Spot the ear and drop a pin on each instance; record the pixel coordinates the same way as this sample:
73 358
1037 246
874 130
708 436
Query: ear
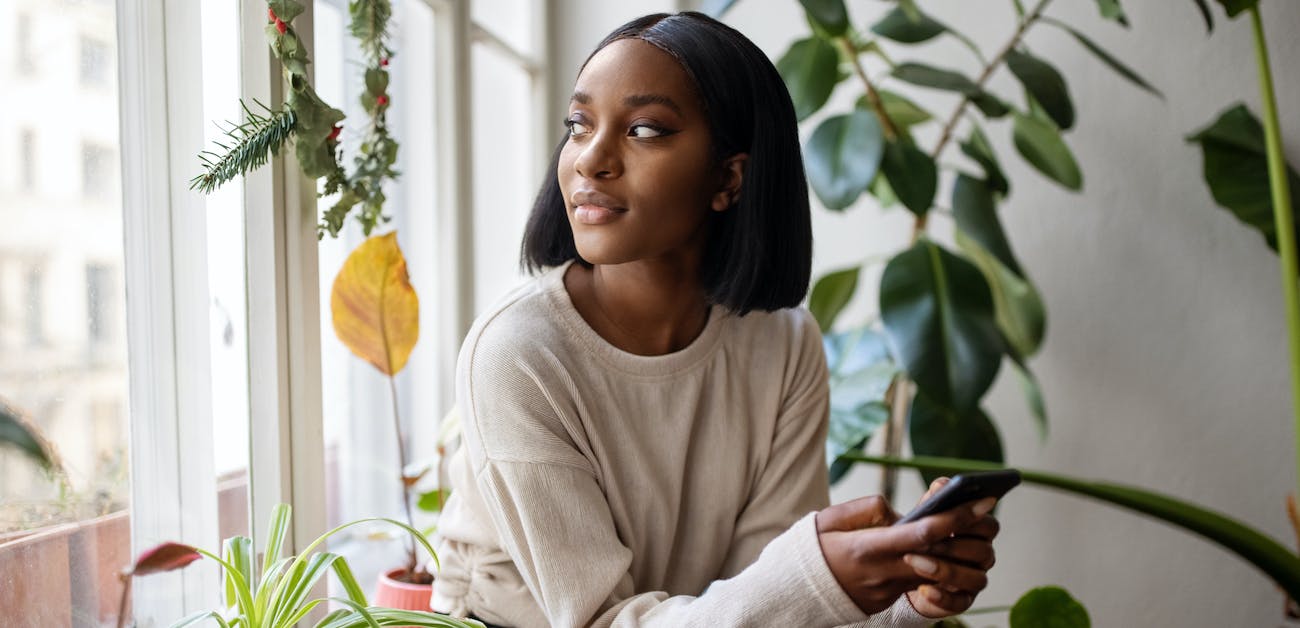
733 174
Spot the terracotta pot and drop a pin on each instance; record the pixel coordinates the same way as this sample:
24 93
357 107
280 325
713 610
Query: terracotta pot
394 593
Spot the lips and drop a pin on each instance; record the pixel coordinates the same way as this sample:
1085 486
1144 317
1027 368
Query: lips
591 207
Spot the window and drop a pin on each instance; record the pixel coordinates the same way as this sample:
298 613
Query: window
24 57
99 302
94 62
34 304
27 161
96 169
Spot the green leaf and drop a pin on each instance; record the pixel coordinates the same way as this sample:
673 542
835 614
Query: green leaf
376 82
989 105
899 26
882 192
937 78
830 15
901 111
939 431
861 371
1018 310
976 215
850 430
912 175
1048 607
1041 145
1236 169
831 293
286 10
1257 548
18 432
810 69
842 157
977 147
938 315
1107 58
1111 10
275 535
435 500
1236 7
716 8
1033 395
1206 15
1045 84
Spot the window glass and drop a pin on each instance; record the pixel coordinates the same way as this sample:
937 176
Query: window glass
63 361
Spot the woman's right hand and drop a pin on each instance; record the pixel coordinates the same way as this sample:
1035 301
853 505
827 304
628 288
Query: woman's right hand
865 552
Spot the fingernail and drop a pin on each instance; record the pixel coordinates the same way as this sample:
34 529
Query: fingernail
932 593
921 563
984 506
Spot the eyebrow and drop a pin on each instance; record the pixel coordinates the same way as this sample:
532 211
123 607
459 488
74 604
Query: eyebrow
635 100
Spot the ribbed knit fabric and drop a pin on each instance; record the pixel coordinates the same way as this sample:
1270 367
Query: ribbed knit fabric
600 488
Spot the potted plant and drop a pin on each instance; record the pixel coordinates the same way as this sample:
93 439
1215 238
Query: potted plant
278 595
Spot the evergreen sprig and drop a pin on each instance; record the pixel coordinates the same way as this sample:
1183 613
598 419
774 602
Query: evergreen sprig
252 143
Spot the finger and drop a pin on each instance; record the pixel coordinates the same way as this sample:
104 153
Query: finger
986 527
919 534
947 574
969 551
936 602
863 512
937 484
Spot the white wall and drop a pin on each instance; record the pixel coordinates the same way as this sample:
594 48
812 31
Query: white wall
1165 361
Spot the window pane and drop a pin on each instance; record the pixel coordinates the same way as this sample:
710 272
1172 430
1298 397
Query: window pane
511 20
361 457
63 536
227 283
505 174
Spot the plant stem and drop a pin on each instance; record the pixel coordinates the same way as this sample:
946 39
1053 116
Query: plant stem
126 593
401 472
1286 244
891 131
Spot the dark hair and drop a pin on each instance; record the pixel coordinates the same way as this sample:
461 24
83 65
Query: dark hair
759 252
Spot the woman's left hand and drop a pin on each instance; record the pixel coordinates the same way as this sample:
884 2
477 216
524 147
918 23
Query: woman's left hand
957 567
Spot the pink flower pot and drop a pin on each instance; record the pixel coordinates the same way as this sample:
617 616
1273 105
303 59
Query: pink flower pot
393 593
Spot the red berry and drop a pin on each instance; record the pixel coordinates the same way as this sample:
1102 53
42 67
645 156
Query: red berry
334 134
381 100
280 26
270 15
383 62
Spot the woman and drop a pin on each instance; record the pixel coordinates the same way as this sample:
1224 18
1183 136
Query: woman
645 422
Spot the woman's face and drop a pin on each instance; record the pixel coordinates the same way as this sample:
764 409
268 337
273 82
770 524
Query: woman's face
636 172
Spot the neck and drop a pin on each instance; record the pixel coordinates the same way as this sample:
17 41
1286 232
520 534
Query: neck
647 307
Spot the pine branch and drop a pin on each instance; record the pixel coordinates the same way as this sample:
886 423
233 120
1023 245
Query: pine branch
254 142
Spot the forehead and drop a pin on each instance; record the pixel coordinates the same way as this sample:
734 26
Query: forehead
634 67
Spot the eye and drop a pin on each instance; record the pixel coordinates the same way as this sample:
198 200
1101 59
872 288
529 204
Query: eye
647 131
575 127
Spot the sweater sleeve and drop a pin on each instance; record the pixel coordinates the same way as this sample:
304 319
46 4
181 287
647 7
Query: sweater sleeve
795 480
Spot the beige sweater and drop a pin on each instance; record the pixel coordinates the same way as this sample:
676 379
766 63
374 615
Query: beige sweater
596 487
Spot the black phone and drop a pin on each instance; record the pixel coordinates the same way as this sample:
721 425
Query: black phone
964 488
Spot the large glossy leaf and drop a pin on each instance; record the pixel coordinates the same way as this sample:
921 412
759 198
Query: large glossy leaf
901 27
1041 145
18 432
861 370
1111 10
1236 169
810 69
936 430
976 215
902 111
939 318
842 157
1271 557
1048 607
1018 309
830 294
1107 58
1236 7
977 147
948 80
1045 84
376 311
830 15
912 175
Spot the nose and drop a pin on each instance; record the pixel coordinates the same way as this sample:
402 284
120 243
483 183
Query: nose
599 158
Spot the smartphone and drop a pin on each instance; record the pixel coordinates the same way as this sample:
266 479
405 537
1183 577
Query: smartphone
965 488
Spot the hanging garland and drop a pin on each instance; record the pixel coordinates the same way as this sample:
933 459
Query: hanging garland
315 126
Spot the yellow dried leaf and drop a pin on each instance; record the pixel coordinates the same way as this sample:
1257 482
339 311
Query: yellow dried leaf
376 312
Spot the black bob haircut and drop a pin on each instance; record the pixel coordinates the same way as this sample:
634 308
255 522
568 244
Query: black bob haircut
758 253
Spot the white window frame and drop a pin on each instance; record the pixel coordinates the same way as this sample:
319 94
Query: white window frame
160 91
